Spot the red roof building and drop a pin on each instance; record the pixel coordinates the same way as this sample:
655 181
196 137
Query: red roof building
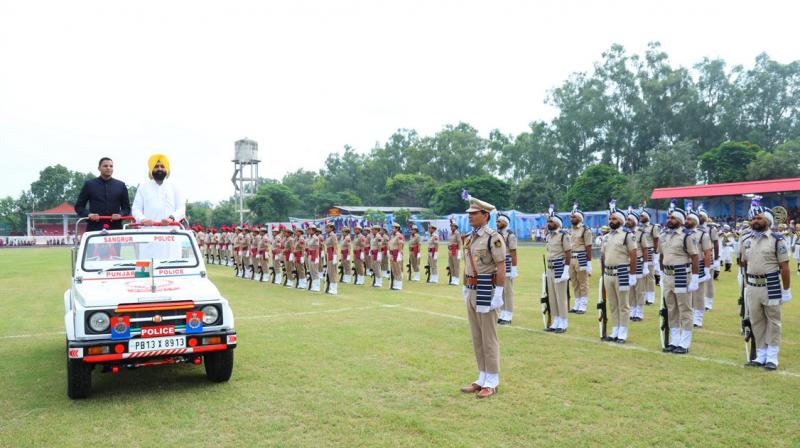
731 189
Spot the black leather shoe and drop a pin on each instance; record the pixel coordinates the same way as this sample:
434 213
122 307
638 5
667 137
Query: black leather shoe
669 348
771 366
620 341
572 311
549 329
608 339
680 351
560 330
503 322
580 312
754 363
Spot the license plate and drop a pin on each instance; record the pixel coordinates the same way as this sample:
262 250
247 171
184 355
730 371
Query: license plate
150 344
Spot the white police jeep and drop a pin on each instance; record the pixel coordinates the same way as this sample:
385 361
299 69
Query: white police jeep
141 297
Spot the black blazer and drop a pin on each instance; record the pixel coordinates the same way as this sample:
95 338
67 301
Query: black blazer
105 197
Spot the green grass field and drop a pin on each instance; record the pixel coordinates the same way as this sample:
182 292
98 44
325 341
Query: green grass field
383 368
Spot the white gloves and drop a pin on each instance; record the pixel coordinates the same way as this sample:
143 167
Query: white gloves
497 298
589 268
465 292
739 278
694 284
458 255
716 265
708 273
258 256
302 260
632 280
786 295
645 269
335 259
436 255
513 272
361 256
291 257
564 276
379 258
399 257
419 255
656 265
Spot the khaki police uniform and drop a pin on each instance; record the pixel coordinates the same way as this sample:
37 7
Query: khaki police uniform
454 255
676 248
764 253
414 254
360 251
331 246
649 237
703 242
618 245
314 255
507 310
396 244
558 243
433 255
581 237
345 244
376 256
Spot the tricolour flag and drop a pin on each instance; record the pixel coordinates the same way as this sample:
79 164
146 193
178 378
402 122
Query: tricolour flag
142 269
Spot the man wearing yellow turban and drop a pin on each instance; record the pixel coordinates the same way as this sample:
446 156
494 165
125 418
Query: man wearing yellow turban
158 200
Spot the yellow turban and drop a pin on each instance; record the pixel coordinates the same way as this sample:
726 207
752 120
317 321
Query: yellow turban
154 159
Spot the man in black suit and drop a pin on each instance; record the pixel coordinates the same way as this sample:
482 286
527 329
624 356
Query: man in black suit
106 196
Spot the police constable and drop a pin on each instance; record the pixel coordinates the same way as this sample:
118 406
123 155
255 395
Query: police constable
396 244
454 253
765 257
433 253
314 254
679 261
360 249
484 279
704 248
331 246
558 249
507 310
580 266
376 256
712 264
300 257
649 235
619 271
414 253
345 243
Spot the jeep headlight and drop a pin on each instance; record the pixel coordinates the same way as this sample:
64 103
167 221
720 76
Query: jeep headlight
99 322
210 314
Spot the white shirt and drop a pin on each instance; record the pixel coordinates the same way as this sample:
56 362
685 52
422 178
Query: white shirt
156 202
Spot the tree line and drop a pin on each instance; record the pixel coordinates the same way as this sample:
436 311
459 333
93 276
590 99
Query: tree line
629 124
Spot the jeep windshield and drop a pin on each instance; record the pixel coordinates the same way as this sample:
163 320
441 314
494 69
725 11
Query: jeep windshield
122 251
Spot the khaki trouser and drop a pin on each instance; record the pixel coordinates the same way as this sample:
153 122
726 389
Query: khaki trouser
679 305
237 259
333 272
263 263
636 294
617 300
397 268
709 286
414 261
301 269
698 302
765 316
359 265
313 269
290 267
508 295
346 268
432 263
453 264
580 279
276 263
649 280
558 295
384 266
483 327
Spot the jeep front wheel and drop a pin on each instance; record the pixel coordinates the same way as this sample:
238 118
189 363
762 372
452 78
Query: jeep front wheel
219 365
79 378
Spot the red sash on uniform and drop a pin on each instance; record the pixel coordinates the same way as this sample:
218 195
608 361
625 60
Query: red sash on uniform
298 254
253 252
374 253
394 253
384 250
345 253
415 250
286 254
453 249
330 254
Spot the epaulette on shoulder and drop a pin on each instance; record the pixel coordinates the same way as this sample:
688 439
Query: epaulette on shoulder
777 236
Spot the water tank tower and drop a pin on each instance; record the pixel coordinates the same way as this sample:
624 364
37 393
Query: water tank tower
245 174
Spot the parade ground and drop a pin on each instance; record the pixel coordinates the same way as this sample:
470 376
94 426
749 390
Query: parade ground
375 367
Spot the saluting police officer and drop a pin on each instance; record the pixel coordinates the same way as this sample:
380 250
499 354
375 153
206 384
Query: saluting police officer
484 279
765 257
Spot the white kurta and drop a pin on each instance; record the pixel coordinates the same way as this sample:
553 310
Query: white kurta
156 202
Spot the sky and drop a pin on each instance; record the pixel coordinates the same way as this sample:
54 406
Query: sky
80 80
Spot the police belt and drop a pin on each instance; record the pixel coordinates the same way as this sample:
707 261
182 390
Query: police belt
551 263
670 269
471 281
611 271
759 280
